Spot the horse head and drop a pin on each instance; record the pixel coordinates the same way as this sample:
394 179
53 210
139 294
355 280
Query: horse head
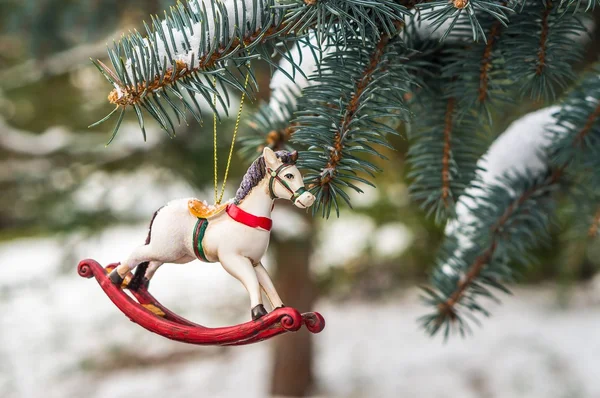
285 180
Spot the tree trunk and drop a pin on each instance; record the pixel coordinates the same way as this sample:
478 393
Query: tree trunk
293 355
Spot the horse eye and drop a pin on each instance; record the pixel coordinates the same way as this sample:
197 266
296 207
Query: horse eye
289 176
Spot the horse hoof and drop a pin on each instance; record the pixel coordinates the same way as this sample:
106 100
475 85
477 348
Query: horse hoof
115 278
258 312
137 284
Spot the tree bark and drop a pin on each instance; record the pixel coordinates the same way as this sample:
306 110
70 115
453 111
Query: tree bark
292 374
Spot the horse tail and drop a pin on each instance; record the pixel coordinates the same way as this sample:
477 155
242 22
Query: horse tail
140 271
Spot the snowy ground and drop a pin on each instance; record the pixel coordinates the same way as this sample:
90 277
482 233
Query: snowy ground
61 337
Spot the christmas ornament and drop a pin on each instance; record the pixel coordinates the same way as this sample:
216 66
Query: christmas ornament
235 234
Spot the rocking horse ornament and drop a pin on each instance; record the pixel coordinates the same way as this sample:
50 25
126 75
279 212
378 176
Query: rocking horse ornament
235 234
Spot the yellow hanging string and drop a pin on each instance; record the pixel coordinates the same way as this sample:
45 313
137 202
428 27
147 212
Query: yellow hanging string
219 197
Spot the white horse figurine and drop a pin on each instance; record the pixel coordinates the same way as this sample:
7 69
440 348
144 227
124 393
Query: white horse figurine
236 234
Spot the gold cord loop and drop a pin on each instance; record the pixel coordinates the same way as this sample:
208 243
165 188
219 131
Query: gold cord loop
219 197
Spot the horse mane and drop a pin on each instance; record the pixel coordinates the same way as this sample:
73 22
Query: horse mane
256 172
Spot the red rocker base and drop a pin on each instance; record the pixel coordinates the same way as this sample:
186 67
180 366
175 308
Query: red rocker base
174 327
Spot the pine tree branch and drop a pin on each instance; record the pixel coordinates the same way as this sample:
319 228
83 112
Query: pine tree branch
200 40
455 13
342 114
447 308
554 36
511 216
441 162
476 71
478 75
508 226
356 101
444 143
499 233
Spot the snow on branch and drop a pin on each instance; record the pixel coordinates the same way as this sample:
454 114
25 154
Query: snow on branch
195 47
506 211
520 150
201 37
502 215
292 77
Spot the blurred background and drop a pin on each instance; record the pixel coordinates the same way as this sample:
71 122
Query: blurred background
64 196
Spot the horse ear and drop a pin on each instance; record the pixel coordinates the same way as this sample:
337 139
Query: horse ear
270 157
294 156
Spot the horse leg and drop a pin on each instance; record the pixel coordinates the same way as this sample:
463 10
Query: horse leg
139 255
152 267
143 274
241 268
267 284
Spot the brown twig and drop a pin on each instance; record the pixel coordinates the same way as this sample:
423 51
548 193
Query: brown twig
447 307
543 39
486 62
587 127
130 95
362 82
448 124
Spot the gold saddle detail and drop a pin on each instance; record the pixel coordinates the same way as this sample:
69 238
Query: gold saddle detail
200 209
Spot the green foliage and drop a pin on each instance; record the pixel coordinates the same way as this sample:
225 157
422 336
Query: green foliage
475 72
509 223
533 55
342 113
576 134
492 54
575 146
513 216
147 71
456 12
269 127
577 5
442 166
541 45
174 61
368 19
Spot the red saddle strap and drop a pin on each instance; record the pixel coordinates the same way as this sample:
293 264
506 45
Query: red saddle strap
248 219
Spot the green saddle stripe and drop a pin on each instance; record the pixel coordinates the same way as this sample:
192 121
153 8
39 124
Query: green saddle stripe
198 236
